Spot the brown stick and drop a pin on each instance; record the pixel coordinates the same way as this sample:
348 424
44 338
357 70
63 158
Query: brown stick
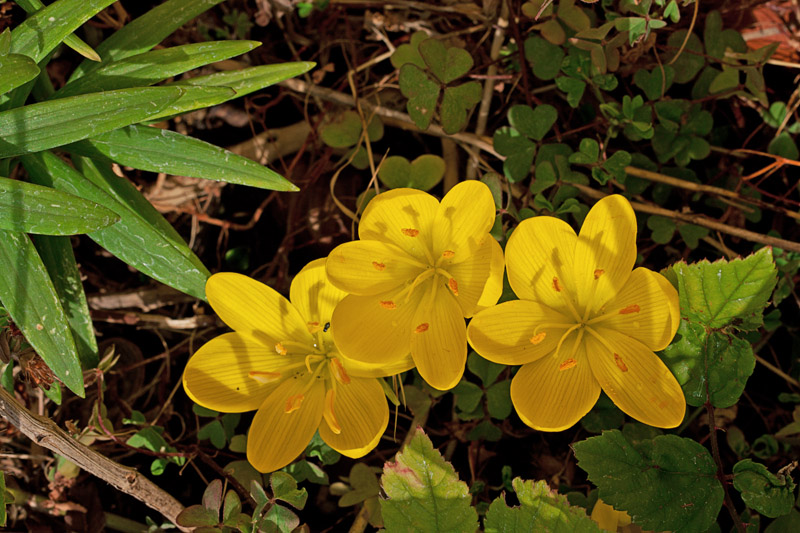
46 433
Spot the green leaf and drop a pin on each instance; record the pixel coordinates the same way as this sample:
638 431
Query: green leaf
166 151
725 80
59 259
424 173
45 30
712 35
784 146
249 80
147 438
652 82
456 104
770 495
688 64
587 154
540 509
3 500
409 52
422 94
727 293
152 67
17 69
534 123
663 228
447 64
197 516
214 432
284 488
28 294
545 58
32 6
498 399
363 484
145 32
142 238
615 165
231 508
519 152
212 496
44 125
486 370
424 493
467 396
604 415
713 366
35 209
279 519
344 130
573 87
691 234
668 483
790 522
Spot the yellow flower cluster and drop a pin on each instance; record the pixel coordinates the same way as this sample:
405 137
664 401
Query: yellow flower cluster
398 297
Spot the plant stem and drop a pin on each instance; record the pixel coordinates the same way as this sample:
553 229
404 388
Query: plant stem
712 426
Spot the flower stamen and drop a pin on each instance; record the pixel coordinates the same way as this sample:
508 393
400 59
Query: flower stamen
569 363
410 232
422 328
338 371
264 377
453 284
448 254
538 338
556 285
293 403
598 272
280 349
313 327
379 266
388 304
630 309
328 414
620 363
566 334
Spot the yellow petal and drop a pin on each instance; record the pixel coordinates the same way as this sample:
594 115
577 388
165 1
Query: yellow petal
635 379
248 306
605 252
463 220
276 437
371 267
363 415
507 333
472 275
672 300
493 288
539 257
313 295
370 370
553 393
217 376
367 329
643 310
403 217
439 339
606 517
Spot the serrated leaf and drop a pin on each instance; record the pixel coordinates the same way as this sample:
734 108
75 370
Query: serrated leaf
44 125
424 173
35 209
540 509
284 488
142 237
145 32
152 67
770 495
59 259
17 69
726 293
712 366
422 94
28 294
45 30
668 483
158 150
424 492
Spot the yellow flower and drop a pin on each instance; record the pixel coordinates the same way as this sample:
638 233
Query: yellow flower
419 269
281 360
609 519
584 322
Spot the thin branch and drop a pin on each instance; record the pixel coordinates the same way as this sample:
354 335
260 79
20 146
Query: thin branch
47 434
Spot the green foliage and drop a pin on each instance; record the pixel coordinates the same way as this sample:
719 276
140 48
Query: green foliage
424 493
664 483
517 142
540 509
423 173
150 438
761 490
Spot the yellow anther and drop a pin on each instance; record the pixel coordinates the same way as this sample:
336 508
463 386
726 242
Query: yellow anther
328 414
453 284
620 363
539 337
338 371
388 304
410 232
599 272
280 349
569 363
378 266
630 309
264 377
293 403
447 254
556 285
421 328
313 327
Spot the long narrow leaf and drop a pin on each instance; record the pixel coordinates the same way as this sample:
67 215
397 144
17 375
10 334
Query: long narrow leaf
27 293
43 31
142 238
193 98
159 150
251 79
17 69
59 259
36 209
73 41
45 125
154 66
143 33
